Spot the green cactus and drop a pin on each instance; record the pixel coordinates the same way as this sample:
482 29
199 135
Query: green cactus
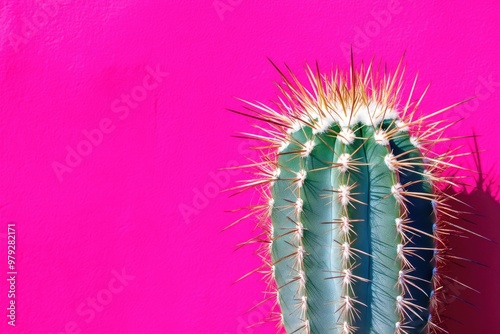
354 214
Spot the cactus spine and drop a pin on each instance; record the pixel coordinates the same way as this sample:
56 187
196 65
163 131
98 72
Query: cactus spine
354 218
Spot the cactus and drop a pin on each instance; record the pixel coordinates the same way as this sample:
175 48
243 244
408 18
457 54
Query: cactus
354 219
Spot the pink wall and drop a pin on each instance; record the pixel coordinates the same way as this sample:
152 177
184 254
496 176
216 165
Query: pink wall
149 82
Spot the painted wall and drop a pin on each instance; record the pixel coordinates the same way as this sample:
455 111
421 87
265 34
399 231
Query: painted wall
114 126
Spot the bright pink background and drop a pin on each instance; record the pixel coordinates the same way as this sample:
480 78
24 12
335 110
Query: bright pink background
120 207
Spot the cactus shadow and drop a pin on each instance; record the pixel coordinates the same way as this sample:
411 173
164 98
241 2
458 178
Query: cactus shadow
468 311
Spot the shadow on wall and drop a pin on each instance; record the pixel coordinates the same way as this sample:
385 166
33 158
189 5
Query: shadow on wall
468 311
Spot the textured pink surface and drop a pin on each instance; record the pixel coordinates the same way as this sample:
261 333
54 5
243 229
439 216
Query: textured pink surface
102 245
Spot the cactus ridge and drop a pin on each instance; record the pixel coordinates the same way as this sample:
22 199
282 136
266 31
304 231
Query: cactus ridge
354 217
